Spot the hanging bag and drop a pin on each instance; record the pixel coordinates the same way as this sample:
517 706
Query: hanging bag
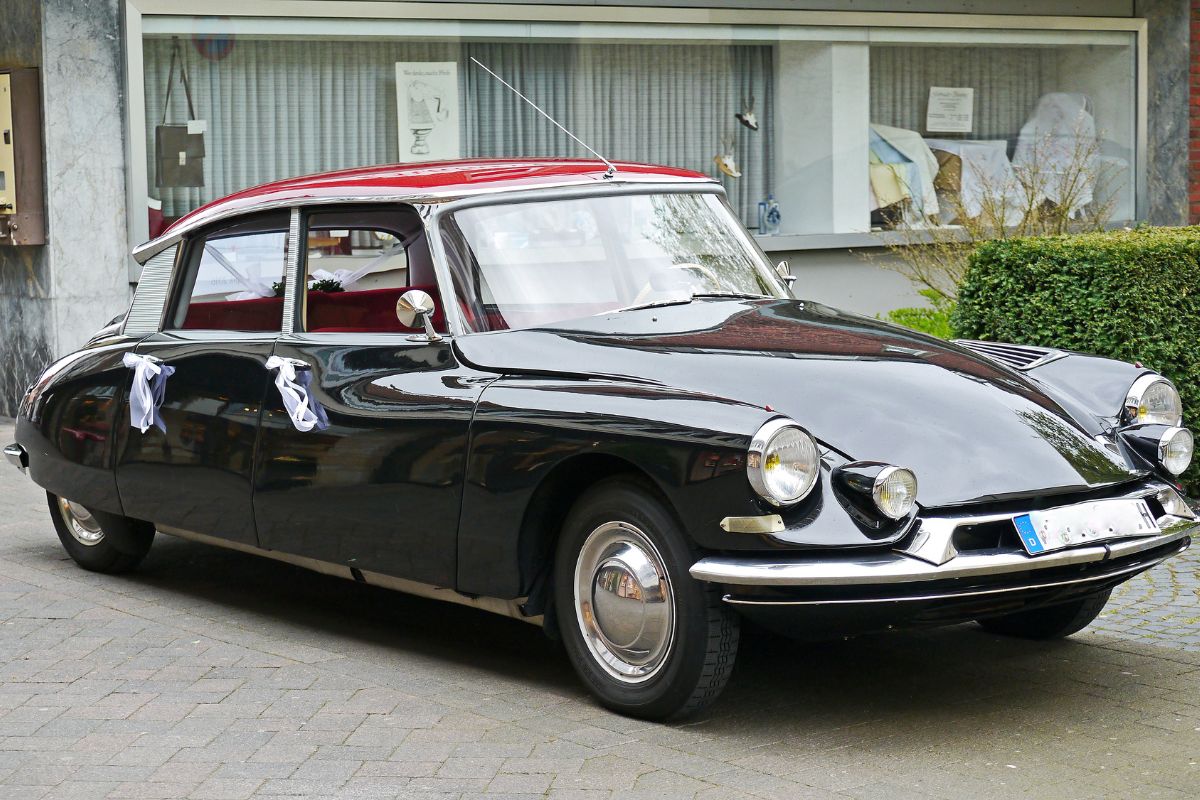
179 149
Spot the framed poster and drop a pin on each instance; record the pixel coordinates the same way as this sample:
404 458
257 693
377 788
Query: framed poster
427 110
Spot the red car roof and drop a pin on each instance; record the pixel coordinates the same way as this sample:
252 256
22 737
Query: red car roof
436 179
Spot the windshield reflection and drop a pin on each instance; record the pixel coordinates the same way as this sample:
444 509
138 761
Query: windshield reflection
530 264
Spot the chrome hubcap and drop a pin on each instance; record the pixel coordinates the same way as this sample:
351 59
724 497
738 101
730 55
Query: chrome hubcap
624 602
80 522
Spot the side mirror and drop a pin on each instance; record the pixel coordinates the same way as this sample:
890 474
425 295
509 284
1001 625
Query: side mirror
416 304
785 273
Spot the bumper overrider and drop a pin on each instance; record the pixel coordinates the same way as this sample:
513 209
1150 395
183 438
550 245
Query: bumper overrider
955 567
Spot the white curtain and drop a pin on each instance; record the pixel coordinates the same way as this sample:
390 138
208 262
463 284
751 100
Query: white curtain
279 108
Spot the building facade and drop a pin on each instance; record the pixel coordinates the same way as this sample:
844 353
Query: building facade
835 126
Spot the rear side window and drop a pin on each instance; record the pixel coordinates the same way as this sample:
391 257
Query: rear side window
235 277
357 265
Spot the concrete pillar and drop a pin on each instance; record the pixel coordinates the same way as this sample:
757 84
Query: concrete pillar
54 296
822 119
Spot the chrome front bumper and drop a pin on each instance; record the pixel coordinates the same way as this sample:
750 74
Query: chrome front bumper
931 568
17 456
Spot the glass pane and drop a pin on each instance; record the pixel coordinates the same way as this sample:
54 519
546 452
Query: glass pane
358 266
526 264
238 283
963 133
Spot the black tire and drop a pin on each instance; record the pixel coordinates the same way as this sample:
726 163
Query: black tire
703 639
120 543
1052 622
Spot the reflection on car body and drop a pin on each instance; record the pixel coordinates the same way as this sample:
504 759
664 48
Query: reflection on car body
592 404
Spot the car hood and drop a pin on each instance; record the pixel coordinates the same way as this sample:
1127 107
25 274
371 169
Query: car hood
970 429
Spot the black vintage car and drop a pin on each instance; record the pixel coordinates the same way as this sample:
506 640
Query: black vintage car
588 401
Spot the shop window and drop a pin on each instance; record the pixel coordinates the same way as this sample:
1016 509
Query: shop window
236 279
959 134
811 130
358 265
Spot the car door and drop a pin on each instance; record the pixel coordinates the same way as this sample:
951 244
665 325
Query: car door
218 331
379 488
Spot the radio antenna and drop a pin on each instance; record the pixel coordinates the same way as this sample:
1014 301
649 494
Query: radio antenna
608 173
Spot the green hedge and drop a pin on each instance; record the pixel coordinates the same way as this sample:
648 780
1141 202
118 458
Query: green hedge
1132 295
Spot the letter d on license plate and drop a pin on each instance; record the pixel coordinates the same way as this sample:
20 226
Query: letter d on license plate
1084 523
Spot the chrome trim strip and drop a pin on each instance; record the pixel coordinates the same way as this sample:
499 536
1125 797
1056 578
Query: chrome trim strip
767 523
1139 567
292 280
506 608
150 298
147 250
890 568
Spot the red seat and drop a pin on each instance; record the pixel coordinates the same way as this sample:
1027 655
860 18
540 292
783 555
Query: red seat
257 314
368 311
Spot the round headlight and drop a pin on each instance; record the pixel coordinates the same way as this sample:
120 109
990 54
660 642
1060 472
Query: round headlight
1152 400
895 492
1175 450
783 462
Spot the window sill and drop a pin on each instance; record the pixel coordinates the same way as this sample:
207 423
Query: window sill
791 242
794 242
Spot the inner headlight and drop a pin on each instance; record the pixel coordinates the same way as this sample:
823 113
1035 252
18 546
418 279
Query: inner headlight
895 492
1175 450
1152 400
783 462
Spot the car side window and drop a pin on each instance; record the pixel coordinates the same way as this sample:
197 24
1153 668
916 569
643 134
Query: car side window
357 265
235 277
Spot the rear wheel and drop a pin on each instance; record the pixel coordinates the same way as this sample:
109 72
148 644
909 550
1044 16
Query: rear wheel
99 541
646 638
1052 622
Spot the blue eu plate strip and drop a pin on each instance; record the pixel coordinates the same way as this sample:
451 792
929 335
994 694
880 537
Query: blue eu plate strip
1033 544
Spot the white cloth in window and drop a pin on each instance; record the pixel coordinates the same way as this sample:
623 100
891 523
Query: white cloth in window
986 179
1056 150
147 390
910 145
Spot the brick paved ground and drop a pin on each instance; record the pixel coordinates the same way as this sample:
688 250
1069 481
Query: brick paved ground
211 674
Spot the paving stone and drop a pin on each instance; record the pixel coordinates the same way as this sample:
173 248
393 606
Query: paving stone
210 674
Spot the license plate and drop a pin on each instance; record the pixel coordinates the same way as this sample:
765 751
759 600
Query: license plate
1084 523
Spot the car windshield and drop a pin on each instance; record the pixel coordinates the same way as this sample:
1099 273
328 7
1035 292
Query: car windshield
526 264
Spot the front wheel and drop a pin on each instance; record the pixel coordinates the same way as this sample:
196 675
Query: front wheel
647 639
1052 622
99 541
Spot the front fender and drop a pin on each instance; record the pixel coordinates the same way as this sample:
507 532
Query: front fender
1092 388
691 446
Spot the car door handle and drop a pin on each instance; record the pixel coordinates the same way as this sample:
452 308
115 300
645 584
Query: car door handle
293 378
147 391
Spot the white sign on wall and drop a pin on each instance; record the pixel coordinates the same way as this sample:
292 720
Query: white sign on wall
951 110
427 110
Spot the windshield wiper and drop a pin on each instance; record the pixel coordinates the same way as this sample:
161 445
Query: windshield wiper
683 301
677 301
742 295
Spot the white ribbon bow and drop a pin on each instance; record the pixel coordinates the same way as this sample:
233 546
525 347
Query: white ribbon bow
147 391
292 378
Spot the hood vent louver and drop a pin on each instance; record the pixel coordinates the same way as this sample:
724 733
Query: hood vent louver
1017 356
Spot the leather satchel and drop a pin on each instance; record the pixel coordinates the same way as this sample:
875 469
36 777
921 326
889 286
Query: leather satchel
179 149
